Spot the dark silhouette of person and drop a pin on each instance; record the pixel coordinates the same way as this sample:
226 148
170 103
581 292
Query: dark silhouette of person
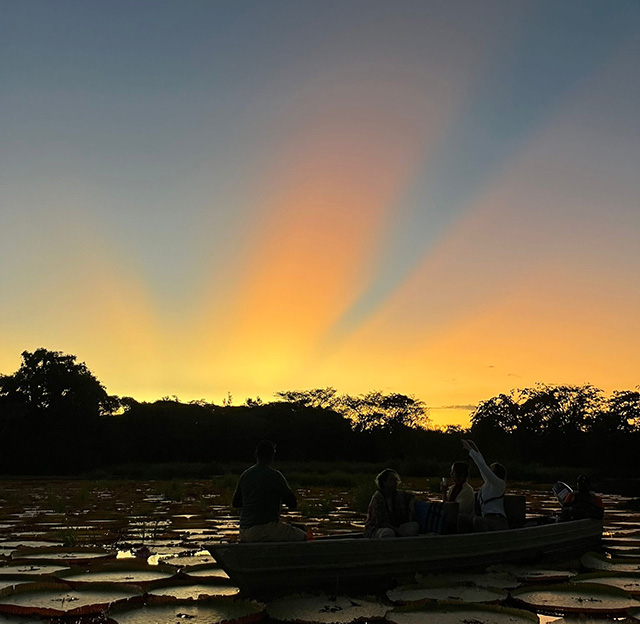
491 516
460 491
390 512
582 503
260 492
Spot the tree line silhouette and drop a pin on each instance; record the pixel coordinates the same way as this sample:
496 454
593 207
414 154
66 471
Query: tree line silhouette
57 418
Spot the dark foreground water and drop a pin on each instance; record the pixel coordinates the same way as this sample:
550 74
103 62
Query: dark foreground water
133 553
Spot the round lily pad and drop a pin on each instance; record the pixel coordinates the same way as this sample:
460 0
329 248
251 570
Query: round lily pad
460 614
595 561
205 572
322 609
130 572
56 599
630 583
499 580
11 582
415 594
193 591
210 612
577 619
584 598
31 569
534 574
198 558
55 554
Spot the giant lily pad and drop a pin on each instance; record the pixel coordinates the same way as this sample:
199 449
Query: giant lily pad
55 599
410 594
192 591
28 570
577 619
197 558
498 580
322 609
627 582
210 612
533 573
55 554
205 572
460 614
134 572
585 598
595 561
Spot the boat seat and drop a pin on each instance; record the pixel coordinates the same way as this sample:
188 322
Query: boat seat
515 508
436 517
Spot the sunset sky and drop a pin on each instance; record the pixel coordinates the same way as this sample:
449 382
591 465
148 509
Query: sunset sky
438 198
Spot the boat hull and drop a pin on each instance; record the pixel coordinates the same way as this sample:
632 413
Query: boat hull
337 563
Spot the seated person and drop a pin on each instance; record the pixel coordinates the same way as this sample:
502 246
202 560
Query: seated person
390 512
491 515
260 492
582 503
460 491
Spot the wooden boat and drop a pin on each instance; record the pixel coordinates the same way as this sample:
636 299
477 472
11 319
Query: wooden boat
338 563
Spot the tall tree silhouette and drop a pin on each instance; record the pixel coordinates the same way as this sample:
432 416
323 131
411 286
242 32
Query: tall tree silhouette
50 382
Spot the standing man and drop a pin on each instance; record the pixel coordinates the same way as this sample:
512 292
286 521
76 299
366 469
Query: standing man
259 493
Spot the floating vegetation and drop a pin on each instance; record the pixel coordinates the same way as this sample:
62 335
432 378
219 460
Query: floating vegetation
120 573
210 612
138 523
595 561
499 580
630 583
193 591
193 558
76 556
585 598
460 614
205 572
579 619
411 594
28 570
56 599
323 609
533 573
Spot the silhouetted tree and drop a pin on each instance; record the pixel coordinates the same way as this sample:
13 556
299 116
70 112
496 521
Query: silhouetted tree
52 406
376 410
501 413
541 411
623 411
325 398
50 382
552 410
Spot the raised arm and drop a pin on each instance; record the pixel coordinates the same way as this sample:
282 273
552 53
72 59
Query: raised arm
488 475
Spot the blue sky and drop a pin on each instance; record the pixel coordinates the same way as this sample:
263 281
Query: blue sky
164 164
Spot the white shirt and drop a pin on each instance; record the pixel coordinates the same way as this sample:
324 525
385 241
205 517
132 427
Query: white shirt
466 499
492 488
